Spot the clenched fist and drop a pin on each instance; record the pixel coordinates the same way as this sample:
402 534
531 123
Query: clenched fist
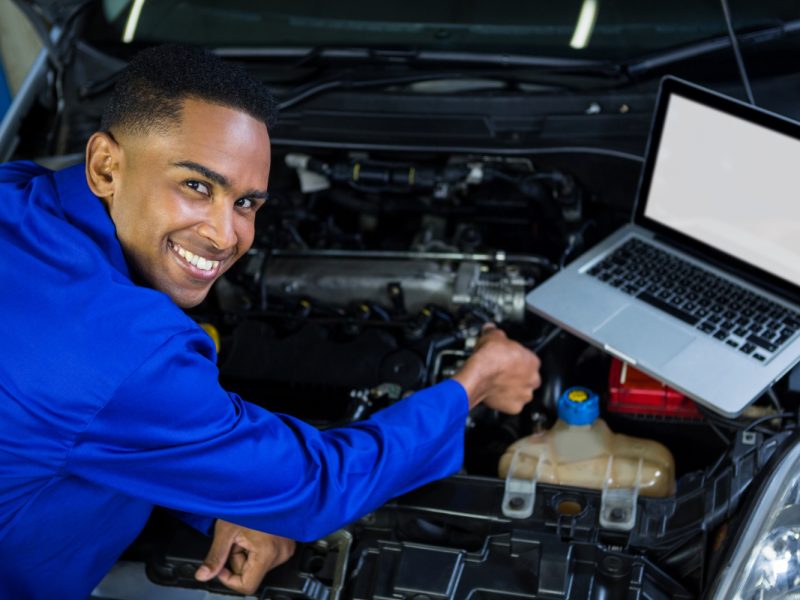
501 373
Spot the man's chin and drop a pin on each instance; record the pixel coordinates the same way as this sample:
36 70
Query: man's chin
185 300
184 297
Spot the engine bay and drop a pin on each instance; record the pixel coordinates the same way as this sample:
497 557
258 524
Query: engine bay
371 277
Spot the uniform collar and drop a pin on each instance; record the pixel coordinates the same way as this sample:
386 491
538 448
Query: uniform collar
87 212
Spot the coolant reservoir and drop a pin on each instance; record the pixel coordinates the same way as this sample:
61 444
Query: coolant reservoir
580 450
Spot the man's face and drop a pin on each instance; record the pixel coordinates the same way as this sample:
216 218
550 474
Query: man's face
184 202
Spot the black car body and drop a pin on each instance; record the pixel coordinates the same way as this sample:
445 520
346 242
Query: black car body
432 163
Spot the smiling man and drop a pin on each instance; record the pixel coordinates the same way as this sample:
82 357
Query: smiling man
109 395
184 202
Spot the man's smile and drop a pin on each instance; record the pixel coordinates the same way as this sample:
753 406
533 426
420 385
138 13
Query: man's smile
199 266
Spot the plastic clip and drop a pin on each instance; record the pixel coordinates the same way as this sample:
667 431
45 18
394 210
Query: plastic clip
618 505
520 492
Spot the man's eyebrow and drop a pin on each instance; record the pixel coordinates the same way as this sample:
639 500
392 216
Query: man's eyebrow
259 194
218 178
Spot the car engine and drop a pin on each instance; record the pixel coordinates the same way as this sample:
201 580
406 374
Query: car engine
371 277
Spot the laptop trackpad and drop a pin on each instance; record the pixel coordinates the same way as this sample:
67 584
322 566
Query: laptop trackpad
642 336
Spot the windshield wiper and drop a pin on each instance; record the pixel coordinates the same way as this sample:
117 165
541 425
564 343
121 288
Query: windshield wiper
317 87
659 60
411 57
540 65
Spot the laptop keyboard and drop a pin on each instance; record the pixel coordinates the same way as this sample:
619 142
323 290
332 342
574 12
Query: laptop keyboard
735 316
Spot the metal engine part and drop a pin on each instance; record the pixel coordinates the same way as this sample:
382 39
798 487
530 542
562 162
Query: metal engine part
497 289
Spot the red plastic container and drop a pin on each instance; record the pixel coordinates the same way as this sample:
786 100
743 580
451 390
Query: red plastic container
632 392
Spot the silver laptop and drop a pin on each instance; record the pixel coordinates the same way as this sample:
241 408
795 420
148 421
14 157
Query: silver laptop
701 289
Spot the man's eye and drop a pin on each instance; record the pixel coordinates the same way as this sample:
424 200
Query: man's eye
199 186
245 203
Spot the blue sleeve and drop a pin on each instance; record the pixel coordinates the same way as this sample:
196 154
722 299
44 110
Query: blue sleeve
172 436
204 525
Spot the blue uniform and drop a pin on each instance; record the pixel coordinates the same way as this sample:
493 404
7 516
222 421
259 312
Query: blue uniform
110 404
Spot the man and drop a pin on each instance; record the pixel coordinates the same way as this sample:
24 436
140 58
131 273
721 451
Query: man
109 399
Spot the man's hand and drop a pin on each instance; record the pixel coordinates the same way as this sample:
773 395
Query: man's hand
240 557
501 373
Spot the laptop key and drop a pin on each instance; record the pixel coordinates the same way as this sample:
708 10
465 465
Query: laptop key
668 308
721 334
706 327
760 341
747 348
630 289
759 357
732 343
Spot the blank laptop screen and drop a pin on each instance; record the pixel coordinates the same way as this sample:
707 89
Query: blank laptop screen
731 184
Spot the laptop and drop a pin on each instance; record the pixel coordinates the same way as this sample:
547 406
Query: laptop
701 289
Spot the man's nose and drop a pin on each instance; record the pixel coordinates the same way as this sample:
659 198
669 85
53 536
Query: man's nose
217 227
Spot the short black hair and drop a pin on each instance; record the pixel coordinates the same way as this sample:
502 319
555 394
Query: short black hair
150 91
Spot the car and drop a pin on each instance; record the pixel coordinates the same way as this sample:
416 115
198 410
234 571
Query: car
433 162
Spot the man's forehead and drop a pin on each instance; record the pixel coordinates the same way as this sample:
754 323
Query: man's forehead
228 142
194 111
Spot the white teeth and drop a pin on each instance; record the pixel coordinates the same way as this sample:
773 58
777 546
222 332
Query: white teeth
201 263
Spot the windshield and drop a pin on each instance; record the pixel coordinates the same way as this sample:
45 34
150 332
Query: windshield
595 29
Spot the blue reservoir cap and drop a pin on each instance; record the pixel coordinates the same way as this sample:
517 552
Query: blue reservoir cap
578 406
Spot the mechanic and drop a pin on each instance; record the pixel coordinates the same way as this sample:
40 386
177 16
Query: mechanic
109 394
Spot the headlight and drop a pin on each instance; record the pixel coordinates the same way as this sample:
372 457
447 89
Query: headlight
766 562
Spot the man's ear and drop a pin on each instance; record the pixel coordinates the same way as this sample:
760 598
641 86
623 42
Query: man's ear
102 163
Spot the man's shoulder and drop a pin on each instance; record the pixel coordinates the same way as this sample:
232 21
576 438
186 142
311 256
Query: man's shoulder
21 172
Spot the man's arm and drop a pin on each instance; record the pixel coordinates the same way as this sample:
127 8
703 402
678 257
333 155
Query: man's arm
500 373
171 436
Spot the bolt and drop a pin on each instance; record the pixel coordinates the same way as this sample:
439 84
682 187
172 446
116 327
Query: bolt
618 514
516 502
612 565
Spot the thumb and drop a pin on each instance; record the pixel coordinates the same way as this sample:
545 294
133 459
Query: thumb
488 326
217 556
